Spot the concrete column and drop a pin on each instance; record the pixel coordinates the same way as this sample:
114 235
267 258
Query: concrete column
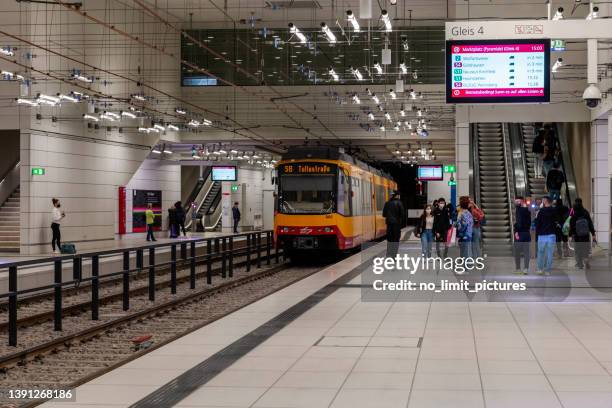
227 222
601 130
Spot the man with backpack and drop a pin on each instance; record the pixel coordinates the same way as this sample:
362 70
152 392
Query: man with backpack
581 230
554 181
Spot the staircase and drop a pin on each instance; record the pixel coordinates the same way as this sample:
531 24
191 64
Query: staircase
9 223
493 191
536 186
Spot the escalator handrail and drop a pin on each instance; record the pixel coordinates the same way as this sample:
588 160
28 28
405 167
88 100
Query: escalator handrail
198 187
568 168
507 167
519 159
475 169
214 203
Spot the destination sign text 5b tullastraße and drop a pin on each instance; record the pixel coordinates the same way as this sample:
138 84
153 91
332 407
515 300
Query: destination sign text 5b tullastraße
307 168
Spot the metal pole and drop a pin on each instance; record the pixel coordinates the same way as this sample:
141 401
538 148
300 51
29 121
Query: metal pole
223 259
276 249
95 287
248 254
57 309
192 266
217 245
184 251
173 269
139 259
76 269
268 247
258 237
208 262
152 274
231 257
126 280
12 306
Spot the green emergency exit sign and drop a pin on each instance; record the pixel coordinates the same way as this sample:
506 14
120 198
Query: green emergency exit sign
38 171
234 188
449 168
452 183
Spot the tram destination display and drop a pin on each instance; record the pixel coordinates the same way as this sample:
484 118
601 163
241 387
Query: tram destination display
498 71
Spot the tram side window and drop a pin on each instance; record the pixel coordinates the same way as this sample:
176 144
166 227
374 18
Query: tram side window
356 196
366 197
344 195
380 197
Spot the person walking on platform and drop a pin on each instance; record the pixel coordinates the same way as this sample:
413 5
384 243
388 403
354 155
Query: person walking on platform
538 153
581 230
180 218
57 215
554 181
479 221
236 216
562 214
150 220
465 228
443 216
546 225
393 211
172 224
424 230
522 236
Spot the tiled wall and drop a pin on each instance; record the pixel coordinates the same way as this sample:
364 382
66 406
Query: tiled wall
155 174
600 173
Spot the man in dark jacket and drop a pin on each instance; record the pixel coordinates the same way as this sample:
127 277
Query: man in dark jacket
236 216
393 211
538 151
522 236
554 181
443 218
546 224
180 218
581 230
562 214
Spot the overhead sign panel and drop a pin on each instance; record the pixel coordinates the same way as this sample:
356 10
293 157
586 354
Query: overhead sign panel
497 71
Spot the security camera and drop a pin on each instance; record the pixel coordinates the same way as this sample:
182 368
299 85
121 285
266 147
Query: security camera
592 96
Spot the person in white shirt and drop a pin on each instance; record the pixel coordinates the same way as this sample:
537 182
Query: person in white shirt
56 216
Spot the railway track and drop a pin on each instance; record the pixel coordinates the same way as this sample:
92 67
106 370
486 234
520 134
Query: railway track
74 358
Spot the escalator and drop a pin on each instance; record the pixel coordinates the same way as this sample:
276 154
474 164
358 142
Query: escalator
204 201
491 185
536 186
209 207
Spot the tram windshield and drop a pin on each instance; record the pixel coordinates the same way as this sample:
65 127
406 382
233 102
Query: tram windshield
306 194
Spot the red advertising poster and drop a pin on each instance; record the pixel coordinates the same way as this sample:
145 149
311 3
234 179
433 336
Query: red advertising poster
122 217
140 201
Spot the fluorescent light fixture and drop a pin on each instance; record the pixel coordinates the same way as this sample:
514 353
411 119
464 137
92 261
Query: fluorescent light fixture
388 116
408 125
333 74
21 101
386 20
180 111
413 94
415 75
378 68
392 94
207 122
146 130
154 130
357 74
159 127
90 117
328 33
419 113
375 99
107 117
353 20
402 112
382 128
128 114
7 51
8 74
295 31
113 115
69 98
371 116
173 127
43 97
155 149
403 68
356 99
593 14
234 151
558 64
396 128
221 151
558 14
256 156
139 97
167 150
193 123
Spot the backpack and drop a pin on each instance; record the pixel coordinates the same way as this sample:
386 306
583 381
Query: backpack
558 178
582 227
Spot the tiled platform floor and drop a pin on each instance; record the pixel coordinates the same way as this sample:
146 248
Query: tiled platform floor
347 353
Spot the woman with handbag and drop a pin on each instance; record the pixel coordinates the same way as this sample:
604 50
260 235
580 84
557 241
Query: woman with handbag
424 230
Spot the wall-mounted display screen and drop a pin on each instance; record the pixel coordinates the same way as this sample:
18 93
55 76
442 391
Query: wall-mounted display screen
498 71
430 173
224 173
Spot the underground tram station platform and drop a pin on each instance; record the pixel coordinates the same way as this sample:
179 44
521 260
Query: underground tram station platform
304 204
